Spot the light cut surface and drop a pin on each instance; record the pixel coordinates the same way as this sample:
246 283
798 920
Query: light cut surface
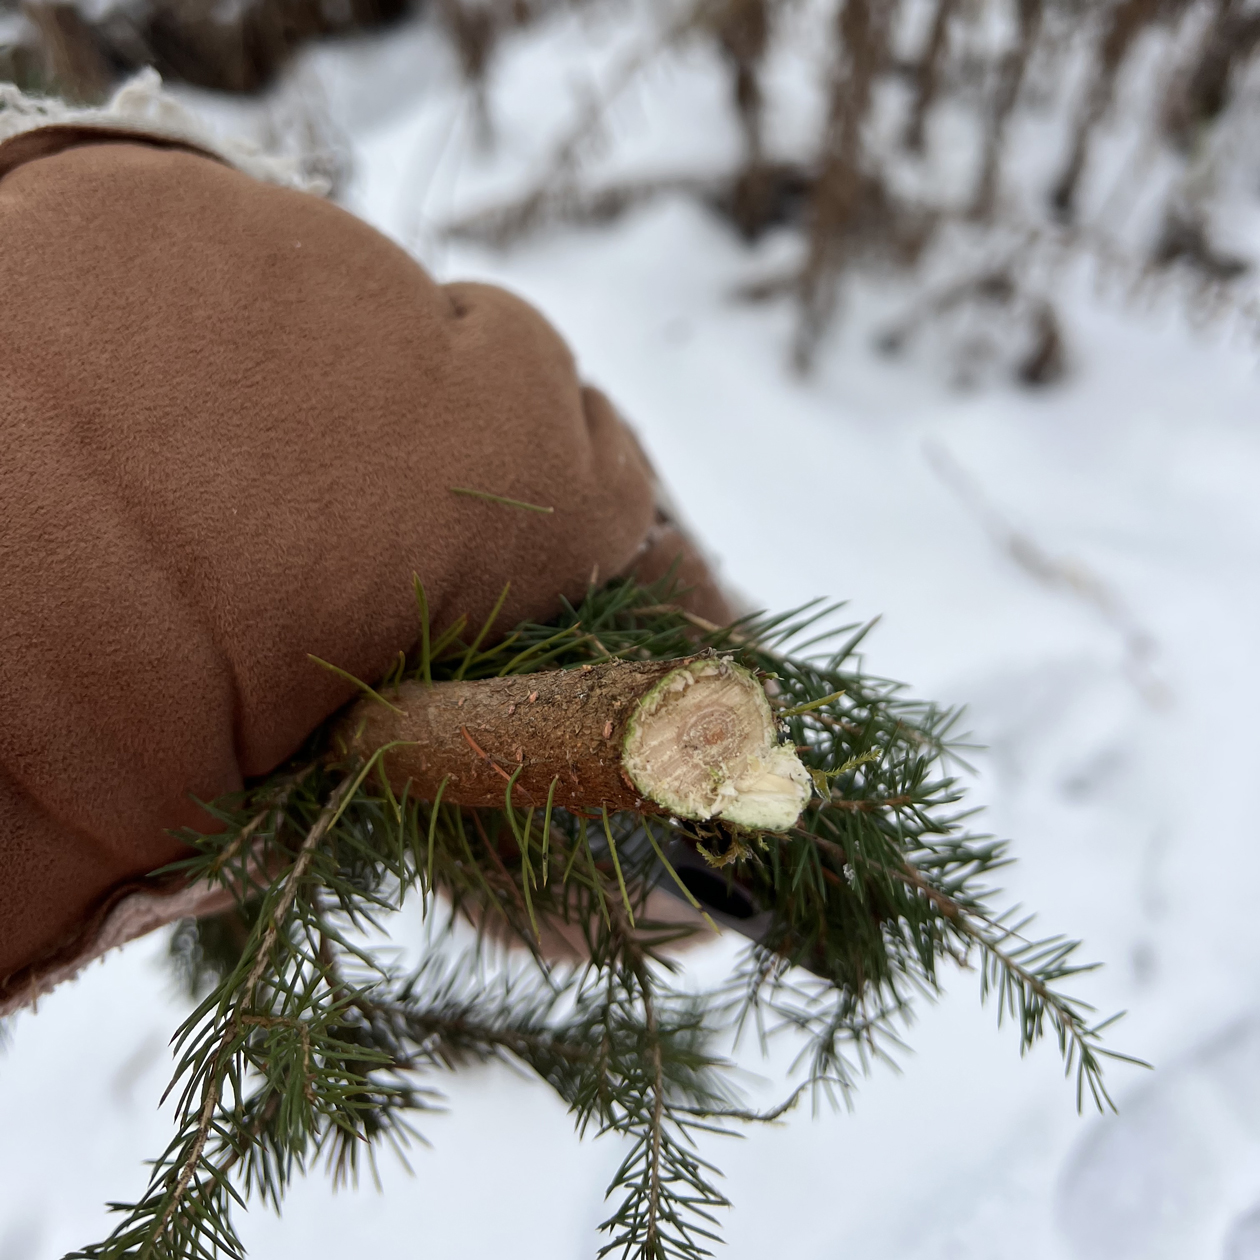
704 744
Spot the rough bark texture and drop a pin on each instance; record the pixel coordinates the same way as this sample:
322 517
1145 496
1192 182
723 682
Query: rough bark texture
567 725
694 738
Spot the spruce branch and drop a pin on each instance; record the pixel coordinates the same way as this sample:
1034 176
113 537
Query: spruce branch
313 1047
1021 972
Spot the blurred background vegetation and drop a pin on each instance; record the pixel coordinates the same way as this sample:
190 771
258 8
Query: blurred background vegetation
971 145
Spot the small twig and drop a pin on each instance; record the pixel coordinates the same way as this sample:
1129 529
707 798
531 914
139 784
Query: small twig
751 1117
658 1111
291 879
274 806
493 851
870 806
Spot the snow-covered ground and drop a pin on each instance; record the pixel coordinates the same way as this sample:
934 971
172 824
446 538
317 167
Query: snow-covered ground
1108 660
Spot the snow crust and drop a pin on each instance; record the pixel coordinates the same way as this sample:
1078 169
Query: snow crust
1121 731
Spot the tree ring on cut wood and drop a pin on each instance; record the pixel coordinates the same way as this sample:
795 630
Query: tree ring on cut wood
703 743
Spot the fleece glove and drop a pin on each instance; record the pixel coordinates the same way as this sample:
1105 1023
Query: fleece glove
234 422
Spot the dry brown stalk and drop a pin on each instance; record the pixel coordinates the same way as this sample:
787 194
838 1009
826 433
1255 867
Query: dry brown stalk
1201 90
569 203
1128 19
1011 73
85 49
927 74
743 32
862 33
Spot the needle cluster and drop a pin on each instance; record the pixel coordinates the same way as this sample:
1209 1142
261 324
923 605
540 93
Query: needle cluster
309 1046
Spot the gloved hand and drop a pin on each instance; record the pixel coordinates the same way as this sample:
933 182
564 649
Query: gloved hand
233 417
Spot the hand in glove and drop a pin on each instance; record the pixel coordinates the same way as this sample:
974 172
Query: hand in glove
234 421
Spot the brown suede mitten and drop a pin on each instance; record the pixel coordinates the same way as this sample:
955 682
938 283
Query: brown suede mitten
232 419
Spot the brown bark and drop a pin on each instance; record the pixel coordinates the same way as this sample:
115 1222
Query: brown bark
564 725
694 738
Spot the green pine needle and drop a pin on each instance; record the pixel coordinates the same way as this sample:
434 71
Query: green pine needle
498 498
306 1045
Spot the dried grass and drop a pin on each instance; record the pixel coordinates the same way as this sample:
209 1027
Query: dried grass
1059 66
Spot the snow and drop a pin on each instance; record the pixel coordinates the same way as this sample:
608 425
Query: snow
1123 774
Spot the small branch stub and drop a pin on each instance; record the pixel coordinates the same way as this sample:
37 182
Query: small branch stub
695 738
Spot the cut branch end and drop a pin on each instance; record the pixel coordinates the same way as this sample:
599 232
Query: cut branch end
703 743
692 738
